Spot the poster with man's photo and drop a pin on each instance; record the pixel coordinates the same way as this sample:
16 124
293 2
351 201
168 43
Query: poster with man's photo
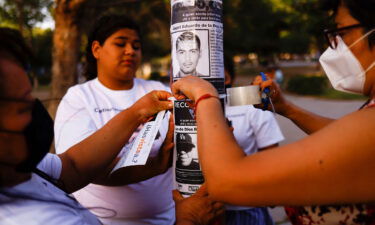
191 53
197 41
197 50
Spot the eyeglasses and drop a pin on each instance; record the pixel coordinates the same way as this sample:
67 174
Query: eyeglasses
331 34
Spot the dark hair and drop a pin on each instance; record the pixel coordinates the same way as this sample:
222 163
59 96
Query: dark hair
13 47
184 142
361 10
104 27
188 36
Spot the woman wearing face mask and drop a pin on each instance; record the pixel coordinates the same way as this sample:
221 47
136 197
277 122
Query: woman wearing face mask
334 165
113 55
31 194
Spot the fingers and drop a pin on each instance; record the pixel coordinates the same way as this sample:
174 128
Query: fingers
176 89
162 95
202 191
219 212
217 205
257 80
177 196
171 125
263 84
169 137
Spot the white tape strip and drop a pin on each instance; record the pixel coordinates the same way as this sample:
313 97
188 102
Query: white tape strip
138 151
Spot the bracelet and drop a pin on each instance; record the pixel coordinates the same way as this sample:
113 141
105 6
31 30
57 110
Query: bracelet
205 96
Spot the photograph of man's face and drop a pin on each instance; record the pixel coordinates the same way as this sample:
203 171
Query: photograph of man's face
184 155
188 53
185 158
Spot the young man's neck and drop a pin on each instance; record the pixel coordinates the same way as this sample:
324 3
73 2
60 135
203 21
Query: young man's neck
117 84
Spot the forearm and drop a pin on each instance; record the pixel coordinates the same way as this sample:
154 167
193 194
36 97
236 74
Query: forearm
305 120
331 166
84 161
216 144
131 175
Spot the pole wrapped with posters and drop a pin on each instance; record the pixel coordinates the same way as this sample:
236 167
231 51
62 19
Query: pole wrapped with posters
197 49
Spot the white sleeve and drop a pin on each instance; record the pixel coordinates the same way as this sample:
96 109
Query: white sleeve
266 128
51 165
73 123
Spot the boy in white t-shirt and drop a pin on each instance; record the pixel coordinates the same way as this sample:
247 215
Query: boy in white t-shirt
114 54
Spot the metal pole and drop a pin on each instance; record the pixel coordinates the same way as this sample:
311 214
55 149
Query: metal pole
197 49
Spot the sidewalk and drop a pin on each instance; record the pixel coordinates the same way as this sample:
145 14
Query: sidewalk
329 108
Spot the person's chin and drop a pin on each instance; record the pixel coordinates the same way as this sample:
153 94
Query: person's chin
187 73
186 163
128 73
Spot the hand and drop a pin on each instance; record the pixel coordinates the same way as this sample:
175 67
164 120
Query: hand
280 103
165 155
197 209
152 103
192 87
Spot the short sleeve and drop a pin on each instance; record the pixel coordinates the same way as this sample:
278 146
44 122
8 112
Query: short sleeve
51 165
266 128
73 123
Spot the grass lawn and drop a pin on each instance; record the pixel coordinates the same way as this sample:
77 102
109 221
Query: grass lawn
333 94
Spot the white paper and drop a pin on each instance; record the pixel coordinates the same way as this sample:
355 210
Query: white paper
138 151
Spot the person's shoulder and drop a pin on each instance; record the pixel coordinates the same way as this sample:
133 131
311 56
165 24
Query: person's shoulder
52 165
79 88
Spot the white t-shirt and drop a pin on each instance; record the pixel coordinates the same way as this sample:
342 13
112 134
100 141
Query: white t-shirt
49 205
253 129
85 109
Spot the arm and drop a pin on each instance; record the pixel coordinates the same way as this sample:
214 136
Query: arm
82 163
334 165
134 174
305 120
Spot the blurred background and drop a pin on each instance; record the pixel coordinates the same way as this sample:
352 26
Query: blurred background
281 37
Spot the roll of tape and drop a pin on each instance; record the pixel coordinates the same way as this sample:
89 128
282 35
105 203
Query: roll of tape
246 95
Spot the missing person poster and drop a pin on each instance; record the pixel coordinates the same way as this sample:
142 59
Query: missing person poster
197 49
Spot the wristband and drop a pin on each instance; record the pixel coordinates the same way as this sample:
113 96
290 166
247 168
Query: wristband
205 96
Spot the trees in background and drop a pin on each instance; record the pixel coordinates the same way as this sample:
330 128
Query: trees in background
264 27
24 14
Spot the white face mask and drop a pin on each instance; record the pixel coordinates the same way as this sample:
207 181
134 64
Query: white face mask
343 69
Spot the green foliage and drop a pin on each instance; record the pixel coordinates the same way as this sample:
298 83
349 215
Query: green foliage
331 93
306 20
24 14
307 85
252 26
273 26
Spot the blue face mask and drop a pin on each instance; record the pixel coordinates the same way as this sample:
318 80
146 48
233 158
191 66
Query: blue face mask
39 135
